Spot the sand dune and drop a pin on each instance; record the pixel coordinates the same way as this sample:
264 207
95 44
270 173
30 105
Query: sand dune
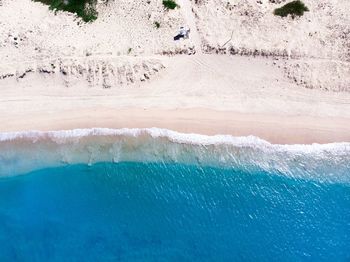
318 42
120 70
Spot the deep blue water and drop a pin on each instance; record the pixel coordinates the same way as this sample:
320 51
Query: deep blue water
173 212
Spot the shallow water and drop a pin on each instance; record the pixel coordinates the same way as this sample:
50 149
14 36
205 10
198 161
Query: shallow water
160 211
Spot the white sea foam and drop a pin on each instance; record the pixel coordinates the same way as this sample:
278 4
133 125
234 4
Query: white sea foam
22 152
177 137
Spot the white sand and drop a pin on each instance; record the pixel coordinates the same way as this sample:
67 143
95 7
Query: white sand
321 37
60 75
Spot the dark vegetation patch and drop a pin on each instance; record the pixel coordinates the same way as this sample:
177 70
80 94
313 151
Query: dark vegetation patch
157 24
295 8
86 9
169 4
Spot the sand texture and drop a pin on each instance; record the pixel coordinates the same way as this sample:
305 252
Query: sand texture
243 71
321 37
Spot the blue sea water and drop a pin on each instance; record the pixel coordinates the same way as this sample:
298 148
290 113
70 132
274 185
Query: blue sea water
156 211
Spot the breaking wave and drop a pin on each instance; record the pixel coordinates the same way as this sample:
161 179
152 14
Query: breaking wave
23 152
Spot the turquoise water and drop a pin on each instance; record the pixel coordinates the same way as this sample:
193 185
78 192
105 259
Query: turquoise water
134 211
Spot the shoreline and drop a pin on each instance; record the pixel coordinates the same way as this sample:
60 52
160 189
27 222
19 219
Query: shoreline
287 83
276 129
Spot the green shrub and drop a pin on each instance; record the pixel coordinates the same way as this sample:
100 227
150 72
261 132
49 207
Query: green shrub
83 8
157 24
295 8
169 4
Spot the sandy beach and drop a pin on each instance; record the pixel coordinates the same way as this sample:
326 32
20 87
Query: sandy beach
275 129
57 75
175 130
